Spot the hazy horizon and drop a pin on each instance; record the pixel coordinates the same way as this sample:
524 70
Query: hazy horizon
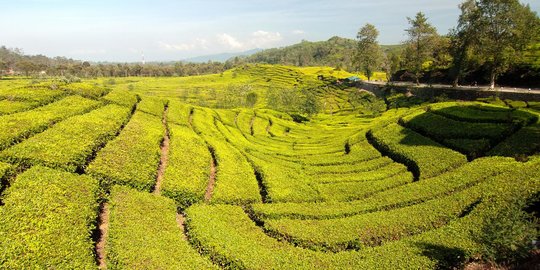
166 30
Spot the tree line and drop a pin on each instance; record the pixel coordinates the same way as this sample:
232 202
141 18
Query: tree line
15 62
494 40
492 37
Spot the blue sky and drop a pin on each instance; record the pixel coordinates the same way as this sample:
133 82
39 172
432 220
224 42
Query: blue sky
118 30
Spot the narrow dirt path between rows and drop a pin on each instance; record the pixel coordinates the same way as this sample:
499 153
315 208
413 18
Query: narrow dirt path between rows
164 154
211 180
181 220
103 230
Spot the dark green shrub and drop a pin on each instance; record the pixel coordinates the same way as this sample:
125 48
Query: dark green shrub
507 234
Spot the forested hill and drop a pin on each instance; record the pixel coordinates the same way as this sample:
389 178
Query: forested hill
335 52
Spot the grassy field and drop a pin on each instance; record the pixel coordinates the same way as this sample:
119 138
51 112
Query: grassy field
231 171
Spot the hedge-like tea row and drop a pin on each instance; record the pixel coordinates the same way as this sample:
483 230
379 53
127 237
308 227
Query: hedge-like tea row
5 169
356 167
424 157
227 234
354 190
133 157
376 174
12 106
468 175
70 143
122 97
188 169
47 221
524 142
439 127
86 89
151 105
40 95
235 178
143 234
477 113
470 147
179 112
21 125
373 228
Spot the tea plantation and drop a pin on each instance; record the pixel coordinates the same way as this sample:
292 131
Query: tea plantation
215 171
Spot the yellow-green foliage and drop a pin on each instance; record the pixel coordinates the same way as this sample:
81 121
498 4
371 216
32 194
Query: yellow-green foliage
47 221
144 234
132 158
415 151
17 126
188 170
463 177
86 89
151 105
332 191
122 97
68 144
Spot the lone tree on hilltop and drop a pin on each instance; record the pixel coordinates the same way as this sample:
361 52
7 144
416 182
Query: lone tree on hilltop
420 44
497 31
368 55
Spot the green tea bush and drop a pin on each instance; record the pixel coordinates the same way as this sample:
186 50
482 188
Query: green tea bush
373 228
12 106
16 127
152 105
415 151
47 221
524 142
477 113
466 176
85 89
179 113
133 157
122 97
70 143
507 233
39 94
144 234
437 126
354 190
188 170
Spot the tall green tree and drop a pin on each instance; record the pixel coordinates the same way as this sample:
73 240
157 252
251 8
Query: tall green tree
420 44
498 31
368 54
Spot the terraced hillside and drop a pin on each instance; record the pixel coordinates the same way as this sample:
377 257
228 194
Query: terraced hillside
127 179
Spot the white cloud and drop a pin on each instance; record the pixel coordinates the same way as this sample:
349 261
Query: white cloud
197 43
298 32
263 39
230 41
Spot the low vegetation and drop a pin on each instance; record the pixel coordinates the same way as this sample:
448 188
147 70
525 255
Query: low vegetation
164 182
47 220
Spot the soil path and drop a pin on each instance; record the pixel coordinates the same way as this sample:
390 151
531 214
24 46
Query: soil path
180 220
103 226
211 181
164 154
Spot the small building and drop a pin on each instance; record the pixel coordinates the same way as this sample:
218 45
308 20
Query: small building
353 79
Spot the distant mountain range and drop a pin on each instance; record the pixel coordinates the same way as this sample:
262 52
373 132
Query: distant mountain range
221 57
